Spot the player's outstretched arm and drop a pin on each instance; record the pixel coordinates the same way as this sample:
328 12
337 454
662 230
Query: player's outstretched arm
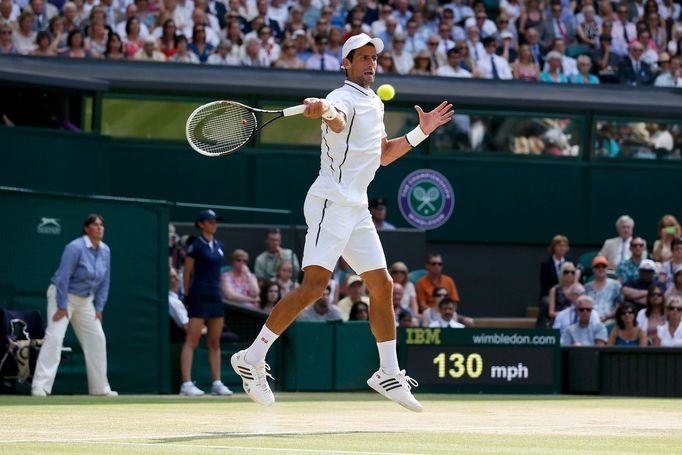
393 149
319 107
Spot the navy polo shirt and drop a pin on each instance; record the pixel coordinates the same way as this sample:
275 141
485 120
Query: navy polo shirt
208 259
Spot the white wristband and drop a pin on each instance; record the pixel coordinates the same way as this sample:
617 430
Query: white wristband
416 136
329 114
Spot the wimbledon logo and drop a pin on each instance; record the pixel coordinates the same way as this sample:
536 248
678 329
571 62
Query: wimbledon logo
426 199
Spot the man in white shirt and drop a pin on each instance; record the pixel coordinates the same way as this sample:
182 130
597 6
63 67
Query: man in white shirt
321 60
448 316
672 77
476 50
569 65
486 27
569 316
585 331
491 65
453 68
617 249
623 31
131 11
354 145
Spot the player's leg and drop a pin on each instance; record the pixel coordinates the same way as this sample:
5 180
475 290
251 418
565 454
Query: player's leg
326 237
194 327
365 255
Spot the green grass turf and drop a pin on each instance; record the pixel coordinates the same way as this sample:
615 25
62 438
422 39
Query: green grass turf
353 423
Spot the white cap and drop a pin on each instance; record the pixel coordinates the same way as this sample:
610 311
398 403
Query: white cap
506 34
362 39
647 264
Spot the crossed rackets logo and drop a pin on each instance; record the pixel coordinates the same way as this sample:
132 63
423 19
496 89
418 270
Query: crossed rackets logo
426 199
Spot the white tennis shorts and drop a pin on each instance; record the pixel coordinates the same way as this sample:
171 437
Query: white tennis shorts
336 230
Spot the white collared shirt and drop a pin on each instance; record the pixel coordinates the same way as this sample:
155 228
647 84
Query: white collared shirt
349 159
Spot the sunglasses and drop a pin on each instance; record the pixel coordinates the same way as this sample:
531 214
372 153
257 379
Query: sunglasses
240 260
436 263
433 44
675 308
584 310
441 294
628 312
599 266
637 245
399 271
569 272
656 294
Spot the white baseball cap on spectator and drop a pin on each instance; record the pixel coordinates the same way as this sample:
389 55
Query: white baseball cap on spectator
677 269
298 33
506 35
647 264
359 40
149 39
354 279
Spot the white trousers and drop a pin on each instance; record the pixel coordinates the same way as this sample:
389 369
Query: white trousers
90 335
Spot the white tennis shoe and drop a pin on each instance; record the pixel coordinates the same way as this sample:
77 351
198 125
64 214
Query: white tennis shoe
218 388
254 377
396 387
190 390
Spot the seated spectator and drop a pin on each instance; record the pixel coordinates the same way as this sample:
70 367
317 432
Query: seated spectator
435 278
199 45
588 30
617 249
377 208
436 54
653 316
166 41
182 53
233 33
553 72
335 47
322 310
626 332
583 75
74 46
605 292
607 60
269 260
288 58
623 30
650 54
122 28
454 66
96 40
239 285
670 333
406 319
422 64
467 62
385 63
44 48
447 316
114 50
635 291
587 330
402 59
506 50
400 275
486 27
560 294
176 308
149 53
533 40
672 77
491 65
7 47
668 268
24 37
668 229
359 312
557 25
270 294
222 55
634 70
283 278
550 272
524 69
675 288
389 32
133 37
268 44
564 319
628 270
356 293
303 46
320 60
254 55
398 294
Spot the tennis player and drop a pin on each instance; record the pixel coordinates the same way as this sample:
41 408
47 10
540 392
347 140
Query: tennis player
354 145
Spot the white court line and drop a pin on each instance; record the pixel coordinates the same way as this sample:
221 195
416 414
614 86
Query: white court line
237 448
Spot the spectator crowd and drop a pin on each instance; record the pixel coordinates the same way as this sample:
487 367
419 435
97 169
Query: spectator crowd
636 42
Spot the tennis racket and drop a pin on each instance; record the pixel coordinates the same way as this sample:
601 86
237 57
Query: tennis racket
223 127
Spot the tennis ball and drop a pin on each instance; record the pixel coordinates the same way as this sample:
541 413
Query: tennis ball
386 92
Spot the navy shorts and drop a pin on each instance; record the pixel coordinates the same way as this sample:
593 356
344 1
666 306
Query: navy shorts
205 306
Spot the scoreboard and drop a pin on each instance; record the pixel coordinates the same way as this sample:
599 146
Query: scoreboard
482 360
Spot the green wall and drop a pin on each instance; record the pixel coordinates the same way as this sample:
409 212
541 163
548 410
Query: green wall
506 200
136 313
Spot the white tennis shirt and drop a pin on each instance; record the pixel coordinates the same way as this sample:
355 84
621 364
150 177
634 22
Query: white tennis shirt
349 159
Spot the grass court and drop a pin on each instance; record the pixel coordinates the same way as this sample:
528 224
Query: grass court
336 423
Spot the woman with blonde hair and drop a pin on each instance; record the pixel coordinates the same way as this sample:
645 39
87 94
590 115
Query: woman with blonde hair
668 229
559 294
422 65
583 75
524 69
239 285
670 333
400 274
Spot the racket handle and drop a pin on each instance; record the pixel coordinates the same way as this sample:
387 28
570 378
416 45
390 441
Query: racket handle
295 110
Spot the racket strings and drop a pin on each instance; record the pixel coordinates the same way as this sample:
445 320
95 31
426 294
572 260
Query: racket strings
221 128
